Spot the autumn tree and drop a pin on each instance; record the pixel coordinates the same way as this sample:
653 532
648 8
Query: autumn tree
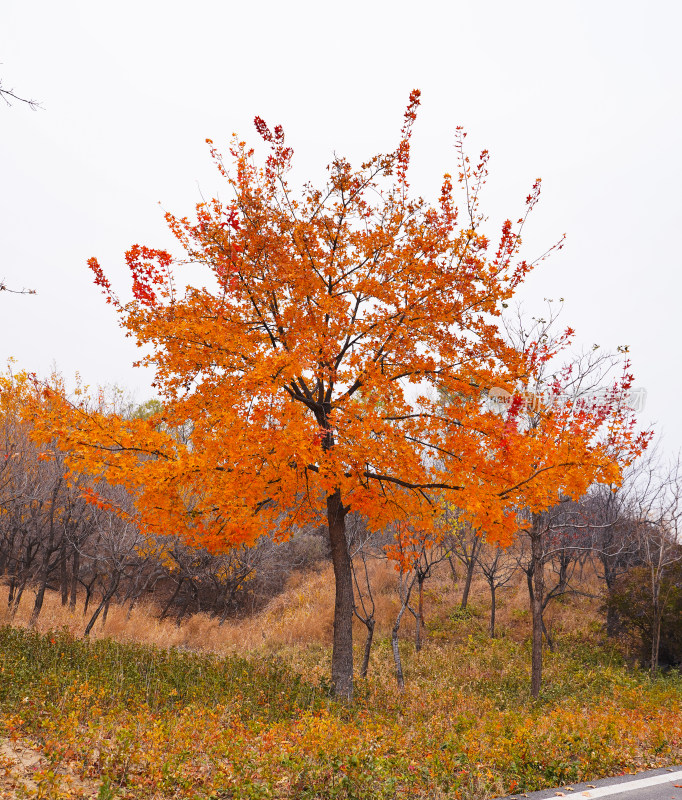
312 363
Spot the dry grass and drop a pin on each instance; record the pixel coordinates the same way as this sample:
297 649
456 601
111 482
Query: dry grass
302 614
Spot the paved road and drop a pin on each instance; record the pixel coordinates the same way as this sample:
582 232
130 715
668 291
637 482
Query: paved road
658 784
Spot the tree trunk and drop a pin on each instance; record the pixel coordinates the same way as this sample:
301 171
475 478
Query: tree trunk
421 625
612 621
103 604
368 648
417 630
38 604
75 572
106 612
183 609
19 592
492 610
548 638
657 613
88 597
342 651
655 643
400 678
453 569
172 599
470 574
396 656
538 587
63 574
47 554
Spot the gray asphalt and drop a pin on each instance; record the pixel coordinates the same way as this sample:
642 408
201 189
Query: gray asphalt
668 790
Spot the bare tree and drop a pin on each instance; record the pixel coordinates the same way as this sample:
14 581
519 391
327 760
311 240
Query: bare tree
406 580
432 554
363 546
415 554
608 516
659 507
498 565
463 543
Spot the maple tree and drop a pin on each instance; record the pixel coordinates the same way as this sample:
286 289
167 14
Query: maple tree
310 370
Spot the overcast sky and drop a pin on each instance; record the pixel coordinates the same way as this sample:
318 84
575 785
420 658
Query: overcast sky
586 95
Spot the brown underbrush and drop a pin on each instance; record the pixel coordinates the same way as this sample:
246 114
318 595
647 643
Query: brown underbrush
303 614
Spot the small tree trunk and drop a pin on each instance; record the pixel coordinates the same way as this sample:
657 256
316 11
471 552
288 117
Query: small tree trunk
103 604
75 571
63 574
396 658
655 635
19 592
612 621
612 617
93 619
47 553
342 650
400 678
368 647
106 612
183 609
538 585
548 638
417 631
172 599
492 609
88 597
467 581
38 604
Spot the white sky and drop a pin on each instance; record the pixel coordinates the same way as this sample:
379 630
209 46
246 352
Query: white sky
586 95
